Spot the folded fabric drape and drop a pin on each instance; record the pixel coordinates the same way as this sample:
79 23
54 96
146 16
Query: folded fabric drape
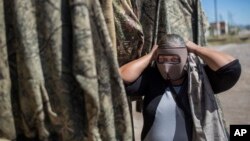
59 75
7 128
209 124
129 34
183 17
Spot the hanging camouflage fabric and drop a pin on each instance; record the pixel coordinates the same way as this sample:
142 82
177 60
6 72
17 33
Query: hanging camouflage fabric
128 31
64 73
182 17
7 127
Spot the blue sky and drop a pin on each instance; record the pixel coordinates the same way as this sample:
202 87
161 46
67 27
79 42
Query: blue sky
238 9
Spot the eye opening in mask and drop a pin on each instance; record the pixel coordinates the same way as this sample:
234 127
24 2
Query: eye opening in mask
169 59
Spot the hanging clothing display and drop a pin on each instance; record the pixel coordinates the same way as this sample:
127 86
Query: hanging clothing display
183 17
129 34
7 128
59 62
59 75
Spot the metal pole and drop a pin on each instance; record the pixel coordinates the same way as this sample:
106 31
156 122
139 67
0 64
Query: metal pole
216 18
156 22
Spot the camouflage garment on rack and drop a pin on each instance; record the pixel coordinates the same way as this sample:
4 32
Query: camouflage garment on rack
63 83
129 32
183 17
134 22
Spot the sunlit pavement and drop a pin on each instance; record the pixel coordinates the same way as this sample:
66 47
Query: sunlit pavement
236 101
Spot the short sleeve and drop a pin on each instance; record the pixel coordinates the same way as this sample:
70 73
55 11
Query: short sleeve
224 78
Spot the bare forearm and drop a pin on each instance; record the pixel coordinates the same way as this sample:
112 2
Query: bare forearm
214 59
132 70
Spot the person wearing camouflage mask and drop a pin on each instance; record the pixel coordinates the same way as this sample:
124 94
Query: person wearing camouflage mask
166 110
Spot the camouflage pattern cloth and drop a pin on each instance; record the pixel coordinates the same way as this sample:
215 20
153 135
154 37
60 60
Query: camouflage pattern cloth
135 20
209 124
129 34
59 75
7 126
183 17
108 12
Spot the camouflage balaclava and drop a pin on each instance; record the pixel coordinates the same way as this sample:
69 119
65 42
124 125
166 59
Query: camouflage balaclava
171 57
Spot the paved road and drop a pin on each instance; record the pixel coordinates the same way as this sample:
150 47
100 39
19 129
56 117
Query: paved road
236 101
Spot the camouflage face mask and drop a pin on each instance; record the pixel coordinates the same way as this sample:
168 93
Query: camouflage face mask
171 62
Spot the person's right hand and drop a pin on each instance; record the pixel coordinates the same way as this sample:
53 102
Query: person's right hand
153 52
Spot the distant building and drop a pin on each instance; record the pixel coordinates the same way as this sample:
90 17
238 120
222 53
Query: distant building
221 28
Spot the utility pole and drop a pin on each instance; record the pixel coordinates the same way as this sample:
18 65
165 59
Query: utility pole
230 23
216 18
